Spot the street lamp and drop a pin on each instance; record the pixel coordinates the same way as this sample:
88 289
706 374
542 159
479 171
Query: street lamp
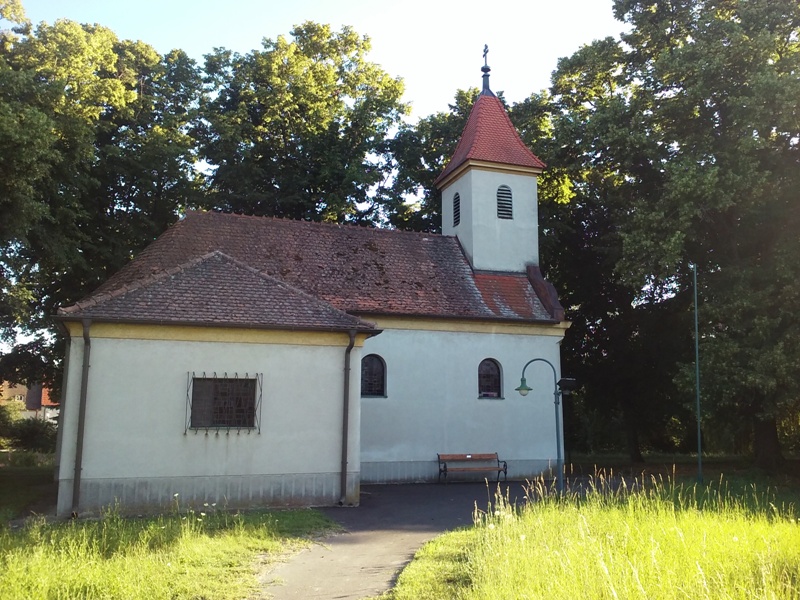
565 386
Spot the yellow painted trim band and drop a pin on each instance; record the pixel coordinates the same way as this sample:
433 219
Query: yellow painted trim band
482 165
180 333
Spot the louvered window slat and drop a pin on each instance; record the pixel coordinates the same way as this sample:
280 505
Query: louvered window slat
505 206
456 210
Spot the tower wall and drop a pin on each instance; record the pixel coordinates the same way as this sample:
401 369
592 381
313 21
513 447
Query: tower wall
492 243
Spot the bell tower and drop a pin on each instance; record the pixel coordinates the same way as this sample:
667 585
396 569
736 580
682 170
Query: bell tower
489 197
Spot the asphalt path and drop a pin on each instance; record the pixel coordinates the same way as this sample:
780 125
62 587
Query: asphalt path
380 537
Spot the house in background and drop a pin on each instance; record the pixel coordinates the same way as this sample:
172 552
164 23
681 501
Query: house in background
38 403
12 391
258 361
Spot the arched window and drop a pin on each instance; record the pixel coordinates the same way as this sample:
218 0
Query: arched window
505 207
456 210
373 376
489 379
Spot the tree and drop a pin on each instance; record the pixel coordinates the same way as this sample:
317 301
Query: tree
101 165
13 11
707 90
420 153
298 129
627 397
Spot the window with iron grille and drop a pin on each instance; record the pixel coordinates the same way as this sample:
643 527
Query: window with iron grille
489 379
223 402
373 376
456 210
505 207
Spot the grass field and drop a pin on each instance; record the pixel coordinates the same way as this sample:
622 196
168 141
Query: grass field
652 539
208 554
194 555
657 536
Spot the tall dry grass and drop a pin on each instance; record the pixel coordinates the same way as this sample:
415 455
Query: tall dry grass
611 538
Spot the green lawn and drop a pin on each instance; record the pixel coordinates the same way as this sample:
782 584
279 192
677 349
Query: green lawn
662 541
208 554
26 479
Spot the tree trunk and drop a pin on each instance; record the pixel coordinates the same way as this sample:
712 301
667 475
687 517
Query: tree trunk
766 446
631 431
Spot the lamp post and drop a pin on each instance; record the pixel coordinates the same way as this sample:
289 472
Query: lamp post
697 379
565 385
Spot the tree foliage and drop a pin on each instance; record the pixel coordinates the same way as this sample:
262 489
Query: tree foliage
101 163
420 152
677 145
687 138
298 129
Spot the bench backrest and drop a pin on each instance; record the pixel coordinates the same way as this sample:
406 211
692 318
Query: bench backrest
468 457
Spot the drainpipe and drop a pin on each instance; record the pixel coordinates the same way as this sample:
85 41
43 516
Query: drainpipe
346 416
76 481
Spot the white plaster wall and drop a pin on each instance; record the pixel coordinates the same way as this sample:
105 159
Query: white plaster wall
494 244
432 403
136 414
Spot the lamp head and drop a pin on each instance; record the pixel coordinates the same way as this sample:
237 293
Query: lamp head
567 385
523 388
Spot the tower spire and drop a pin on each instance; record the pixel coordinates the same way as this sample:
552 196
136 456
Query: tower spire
485 69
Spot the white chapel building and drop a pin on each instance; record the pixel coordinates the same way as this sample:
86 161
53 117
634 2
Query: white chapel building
253 361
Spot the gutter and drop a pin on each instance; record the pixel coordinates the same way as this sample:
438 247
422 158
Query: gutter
346 417
76 481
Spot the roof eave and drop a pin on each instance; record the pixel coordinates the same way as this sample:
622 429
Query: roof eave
518 321
447 178
371 331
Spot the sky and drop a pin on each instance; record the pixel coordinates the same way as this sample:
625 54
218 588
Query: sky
436 46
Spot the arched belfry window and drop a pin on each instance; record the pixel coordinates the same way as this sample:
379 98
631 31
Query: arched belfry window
489 379
373 376
505 206
456 210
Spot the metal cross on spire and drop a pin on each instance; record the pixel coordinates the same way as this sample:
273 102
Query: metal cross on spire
485 69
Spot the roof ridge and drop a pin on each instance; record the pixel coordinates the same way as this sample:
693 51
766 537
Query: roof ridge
303 222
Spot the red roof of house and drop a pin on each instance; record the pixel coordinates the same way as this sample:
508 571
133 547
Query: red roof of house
46 400
265 271
490 136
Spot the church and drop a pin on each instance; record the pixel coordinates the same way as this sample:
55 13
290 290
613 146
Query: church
253 361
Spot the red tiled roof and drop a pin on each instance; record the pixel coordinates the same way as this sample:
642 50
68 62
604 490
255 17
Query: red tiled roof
46 401
214 289
356 270
490 136
508 294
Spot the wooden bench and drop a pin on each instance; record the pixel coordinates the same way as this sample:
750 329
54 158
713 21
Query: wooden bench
466 463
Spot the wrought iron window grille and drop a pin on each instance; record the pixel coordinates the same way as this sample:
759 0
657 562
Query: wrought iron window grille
489 379
373 376
223 402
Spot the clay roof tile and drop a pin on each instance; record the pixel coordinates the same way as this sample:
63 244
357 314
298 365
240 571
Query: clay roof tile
490 136
354 270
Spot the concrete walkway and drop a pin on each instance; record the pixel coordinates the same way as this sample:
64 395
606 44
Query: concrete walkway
380 538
